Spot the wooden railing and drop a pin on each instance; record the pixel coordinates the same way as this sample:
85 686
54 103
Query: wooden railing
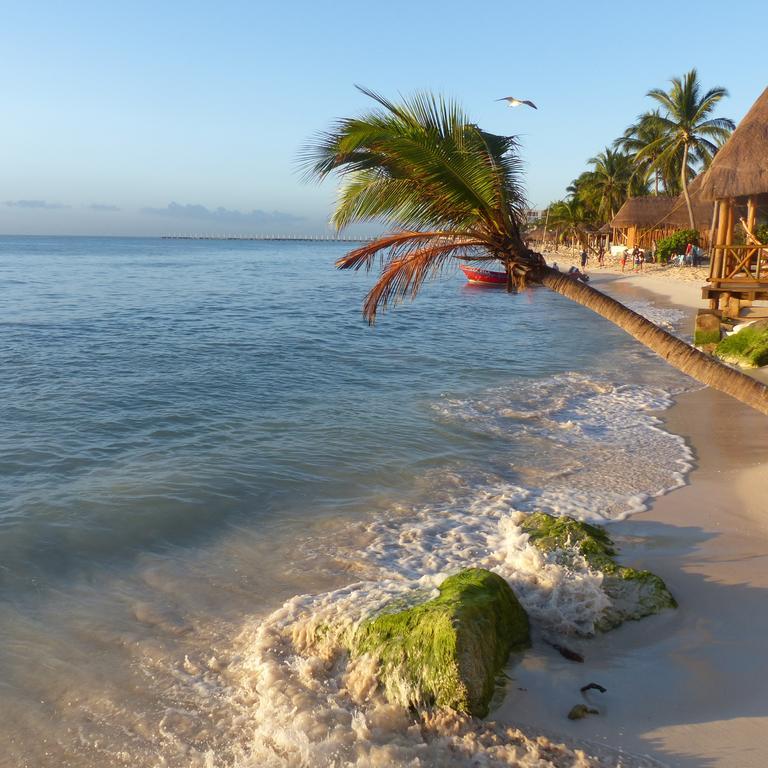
740 264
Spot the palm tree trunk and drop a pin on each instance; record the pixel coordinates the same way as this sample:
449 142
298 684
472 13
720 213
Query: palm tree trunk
700 366
684 185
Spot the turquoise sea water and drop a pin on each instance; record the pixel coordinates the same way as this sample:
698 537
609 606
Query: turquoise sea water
192 431
155 391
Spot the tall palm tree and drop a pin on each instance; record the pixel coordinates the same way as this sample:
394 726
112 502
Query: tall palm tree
641 141
571 220
584 191
611 179
452 191
687 130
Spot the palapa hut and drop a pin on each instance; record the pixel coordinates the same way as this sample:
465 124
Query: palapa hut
639 221
642 221
737 181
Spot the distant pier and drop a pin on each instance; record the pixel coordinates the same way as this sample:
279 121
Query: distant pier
278 238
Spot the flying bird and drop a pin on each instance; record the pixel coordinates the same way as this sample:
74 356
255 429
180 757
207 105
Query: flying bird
513 102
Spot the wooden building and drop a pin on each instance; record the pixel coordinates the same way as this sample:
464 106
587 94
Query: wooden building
639 221
737 181
643 221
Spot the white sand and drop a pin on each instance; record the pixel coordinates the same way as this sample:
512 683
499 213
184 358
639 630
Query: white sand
691 687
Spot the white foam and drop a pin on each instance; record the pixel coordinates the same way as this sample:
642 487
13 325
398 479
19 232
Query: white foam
666 317
603 450
303 704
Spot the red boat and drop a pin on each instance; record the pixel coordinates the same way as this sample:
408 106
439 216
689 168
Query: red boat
484 276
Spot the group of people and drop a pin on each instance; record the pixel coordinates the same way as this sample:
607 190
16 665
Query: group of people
636 259
691 257
575 272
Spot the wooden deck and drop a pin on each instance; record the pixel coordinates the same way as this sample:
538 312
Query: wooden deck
738 276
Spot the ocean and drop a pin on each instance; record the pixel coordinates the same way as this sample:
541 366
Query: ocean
205 452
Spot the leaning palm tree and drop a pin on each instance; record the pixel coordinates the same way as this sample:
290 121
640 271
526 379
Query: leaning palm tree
687 131
452 191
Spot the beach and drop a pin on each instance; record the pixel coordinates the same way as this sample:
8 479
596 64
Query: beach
686 688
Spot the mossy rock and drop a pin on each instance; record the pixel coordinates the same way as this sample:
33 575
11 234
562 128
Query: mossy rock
447 652
633 594
748 348
706 338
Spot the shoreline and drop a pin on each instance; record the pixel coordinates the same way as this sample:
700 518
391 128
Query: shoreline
686 687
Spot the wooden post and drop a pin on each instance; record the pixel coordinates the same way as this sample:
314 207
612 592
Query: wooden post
751 214
722 224
632 236
712 234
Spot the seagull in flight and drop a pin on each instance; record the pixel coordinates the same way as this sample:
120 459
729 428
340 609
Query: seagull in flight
513 102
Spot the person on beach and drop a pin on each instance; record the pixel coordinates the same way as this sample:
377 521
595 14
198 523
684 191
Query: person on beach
584 258
624 256
555 267
689 254
639 260
601 257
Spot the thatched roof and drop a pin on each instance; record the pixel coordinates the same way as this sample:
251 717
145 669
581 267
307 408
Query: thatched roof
662 212
702 209
740 168
644 212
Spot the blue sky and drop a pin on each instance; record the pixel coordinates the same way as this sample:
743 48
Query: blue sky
148 118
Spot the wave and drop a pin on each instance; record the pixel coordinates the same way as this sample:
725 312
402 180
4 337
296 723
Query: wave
598 452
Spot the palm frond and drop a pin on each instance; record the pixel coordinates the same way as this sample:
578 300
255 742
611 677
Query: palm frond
399 245
403 276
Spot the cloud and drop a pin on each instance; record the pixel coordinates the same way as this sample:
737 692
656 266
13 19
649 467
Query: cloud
103 208
34 204
223 215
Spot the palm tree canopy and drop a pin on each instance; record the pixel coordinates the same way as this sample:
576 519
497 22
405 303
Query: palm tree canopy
687 121
448 188
570 217
641 141
612 179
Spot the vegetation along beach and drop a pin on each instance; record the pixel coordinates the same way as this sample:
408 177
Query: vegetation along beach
405 426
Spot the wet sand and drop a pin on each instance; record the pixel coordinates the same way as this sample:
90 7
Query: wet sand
687 687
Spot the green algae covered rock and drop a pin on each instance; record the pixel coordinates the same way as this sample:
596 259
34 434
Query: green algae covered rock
747 348
633 594
447 651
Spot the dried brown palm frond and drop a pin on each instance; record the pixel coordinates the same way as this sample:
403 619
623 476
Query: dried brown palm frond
399 244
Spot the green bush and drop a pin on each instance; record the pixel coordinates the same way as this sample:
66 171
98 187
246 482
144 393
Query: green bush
675 243
761 233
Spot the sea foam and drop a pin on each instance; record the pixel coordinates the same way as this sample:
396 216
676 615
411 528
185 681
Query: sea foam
596 450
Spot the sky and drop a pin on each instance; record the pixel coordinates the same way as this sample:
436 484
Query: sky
149 118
